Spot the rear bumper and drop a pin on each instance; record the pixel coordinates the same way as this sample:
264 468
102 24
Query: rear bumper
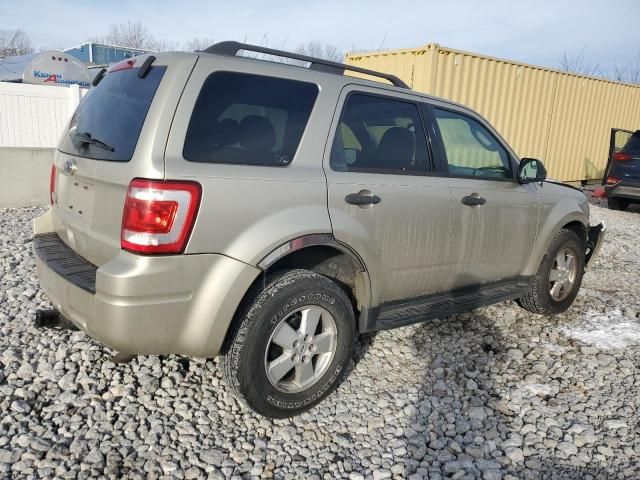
146 305
624 189
595 239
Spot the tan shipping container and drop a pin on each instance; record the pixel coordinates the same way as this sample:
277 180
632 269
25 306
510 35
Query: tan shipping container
561 118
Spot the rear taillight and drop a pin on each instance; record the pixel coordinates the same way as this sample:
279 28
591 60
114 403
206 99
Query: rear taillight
52 184
611 180
622 157
159 215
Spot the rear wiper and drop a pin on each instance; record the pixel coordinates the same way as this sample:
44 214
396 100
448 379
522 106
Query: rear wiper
86 138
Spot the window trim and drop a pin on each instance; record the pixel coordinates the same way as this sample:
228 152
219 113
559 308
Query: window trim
250 74
430 165
442 166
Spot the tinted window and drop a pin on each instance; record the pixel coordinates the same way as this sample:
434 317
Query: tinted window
107 123
471 150
633 144
248 119
379 135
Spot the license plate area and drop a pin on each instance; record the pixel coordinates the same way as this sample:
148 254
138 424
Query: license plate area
76 199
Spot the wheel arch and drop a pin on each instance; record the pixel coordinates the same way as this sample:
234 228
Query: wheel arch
323 254
578 228
575 221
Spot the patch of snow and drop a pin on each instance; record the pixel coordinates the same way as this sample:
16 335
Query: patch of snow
605 331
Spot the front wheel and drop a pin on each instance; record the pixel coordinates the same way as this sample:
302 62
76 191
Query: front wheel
290 344
559 277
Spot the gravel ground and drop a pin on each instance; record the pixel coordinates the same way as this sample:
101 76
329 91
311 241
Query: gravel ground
497 393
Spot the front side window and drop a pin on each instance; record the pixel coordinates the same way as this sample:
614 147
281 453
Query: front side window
248 119
471 150
379 135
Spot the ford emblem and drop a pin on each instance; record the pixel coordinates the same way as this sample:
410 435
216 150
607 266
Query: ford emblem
69 167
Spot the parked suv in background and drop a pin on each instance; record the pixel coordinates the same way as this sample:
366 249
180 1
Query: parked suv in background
622 186
205 203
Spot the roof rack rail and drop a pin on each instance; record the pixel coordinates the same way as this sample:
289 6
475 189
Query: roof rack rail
232 48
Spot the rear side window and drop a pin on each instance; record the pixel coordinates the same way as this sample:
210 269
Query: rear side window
248 119
108 121
379 135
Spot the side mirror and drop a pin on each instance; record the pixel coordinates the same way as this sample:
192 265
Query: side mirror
531 170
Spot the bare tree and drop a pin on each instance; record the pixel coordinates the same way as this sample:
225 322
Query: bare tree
14 42
163 45
320 50
198 43
628 73
130 34
620 72
135 35
633 72
577 64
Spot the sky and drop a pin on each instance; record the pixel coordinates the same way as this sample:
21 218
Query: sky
531 31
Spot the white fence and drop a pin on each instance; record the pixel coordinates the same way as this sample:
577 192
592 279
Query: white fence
32 118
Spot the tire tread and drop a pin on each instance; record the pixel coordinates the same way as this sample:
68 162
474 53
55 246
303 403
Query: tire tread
538 300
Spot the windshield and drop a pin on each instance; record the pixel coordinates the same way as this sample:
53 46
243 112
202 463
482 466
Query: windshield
108 121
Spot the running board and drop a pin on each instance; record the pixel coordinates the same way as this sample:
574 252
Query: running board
405 312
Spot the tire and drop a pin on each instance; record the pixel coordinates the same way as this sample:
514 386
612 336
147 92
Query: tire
615 203
259 331
539 298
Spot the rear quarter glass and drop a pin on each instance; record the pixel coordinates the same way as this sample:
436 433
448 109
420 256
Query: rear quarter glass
108 121
248 119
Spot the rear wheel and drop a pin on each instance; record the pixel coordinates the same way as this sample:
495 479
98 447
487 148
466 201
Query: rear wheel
616 203
290 344
559 277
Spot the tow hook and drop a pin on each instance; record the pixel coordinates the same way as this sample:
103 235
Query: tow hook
119 357
47 318
51 318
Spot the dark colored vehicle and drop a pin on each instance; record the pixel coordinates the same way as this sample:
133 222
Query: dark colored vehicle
623 181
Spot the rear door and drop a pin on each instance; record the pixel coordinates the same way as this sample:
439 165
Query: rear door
382 201
117 133
495 218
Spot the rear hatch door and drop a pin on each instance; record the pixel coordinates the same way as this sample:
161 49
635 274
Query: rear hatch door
118 133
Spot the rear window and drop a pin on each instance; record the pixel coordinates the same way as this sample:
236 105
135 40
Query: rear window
248 119
108 121
633 144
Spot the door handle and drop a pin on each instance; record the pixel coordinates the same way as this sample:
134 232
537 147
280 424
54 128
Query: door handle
473 200
362 198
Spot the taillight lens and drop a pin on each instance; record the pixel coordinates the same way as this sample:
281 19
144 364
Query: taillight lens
611 180
622 157
159 215
52 184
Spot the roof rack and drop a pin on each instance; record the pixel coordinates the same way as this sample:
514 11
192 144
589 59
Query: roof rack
232 48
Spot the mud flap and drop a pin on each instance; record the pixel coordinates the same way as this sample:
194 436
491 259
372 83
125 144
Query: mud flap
595 238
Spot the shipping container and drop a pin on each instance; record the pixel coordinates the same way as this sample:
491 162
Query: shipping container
561 118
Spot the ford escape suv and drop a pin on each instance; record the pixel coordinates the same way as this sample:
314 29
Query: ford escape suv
207 203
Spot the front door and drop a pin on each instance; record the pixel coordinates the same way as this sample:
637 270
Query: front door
495 218
382 201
